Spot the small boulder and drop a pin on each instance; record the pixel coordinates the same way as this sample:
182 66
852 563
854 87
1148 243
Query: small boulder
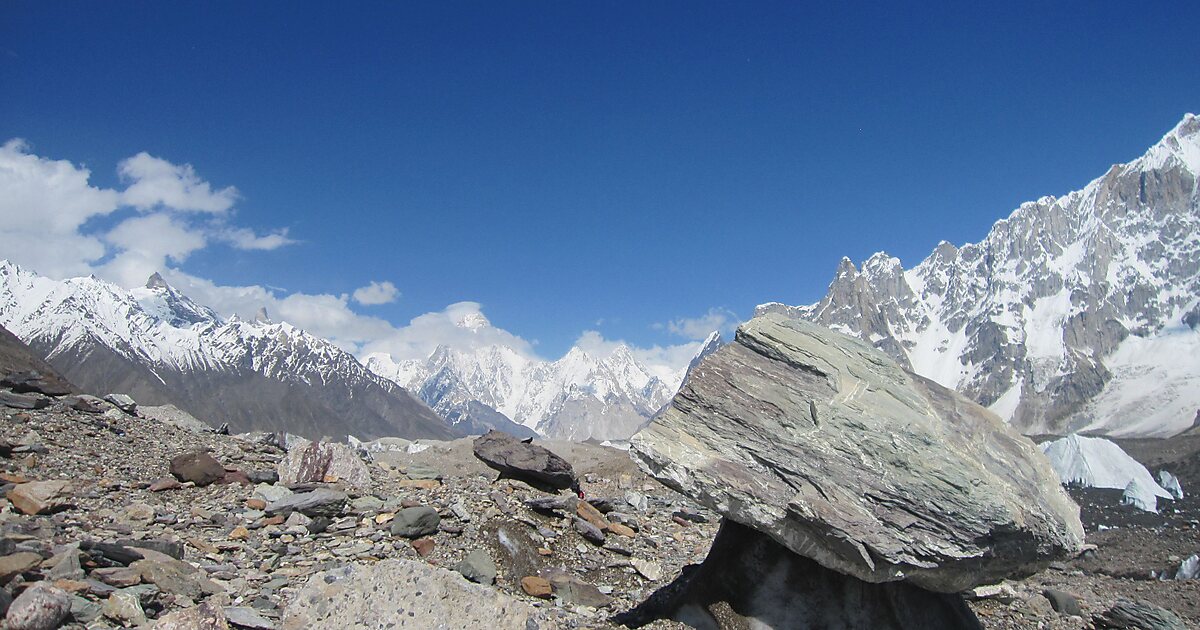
590 532
1139 615
1063 602
323 462
23 401
537 587
39 607
319 502
530 463
415 522
41 497
478 567
122 402
35 382
197 467
15 564
124 608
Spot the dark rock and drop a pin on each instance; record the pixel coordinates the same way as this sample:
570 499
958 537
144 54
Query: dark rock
319 524
117 553
1138 615
478 567
165 547
605 504
749 580
590 532
23 401
319 502
518 551
86 404
35 382
39 607
560 503
528 462
1063 602
415 522
197 467
690 516
262 476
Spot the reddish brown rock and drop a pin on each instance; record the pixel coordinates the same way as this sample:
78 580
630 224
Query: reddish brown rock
15 564
256 504
165 483
423 546
40 497
197 467
590 514
537 587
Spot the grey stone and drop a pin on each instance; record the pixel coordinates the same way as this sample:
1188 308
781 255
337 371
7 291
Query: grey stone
573 590
23 401
528 462
422 471
828 446
32 381
1063 602
319 502
415 522
403 593
243 617
478 567
559 503
271 492
206 616
39 607
590 532
1139 615
124 608
85 610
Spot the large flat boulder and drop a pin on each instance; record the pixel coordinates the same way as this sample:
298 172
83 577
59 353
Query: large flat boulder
522 460
829 447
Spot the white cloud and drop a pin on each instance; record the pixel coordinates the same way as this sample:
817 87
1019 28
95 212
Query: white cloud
246 239
145 244
156 182
717 319
43 204
376 293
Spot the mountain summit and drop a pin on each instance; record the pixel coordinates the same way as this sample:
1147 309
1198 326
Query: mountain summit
159 346
1077 313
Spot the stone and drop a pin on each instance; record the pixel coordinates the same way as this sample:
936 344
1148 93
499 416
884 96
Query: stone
650 570
175 577
15 564
139 513
478 567
271 492
124 608
323 462
518 552
590 532
197 467
1063 602
530 463
119 577
122 402
574 590
86 403
206 616
535 586
239 533
591 515
415 522
404 593
419 484
1003 593
39 607
621 530
256 504
168 548
35 382
164 483
1138 615
243 617
319 502
85 610
23 401
828 446
41 497
564 503
421 471
423 546
750 581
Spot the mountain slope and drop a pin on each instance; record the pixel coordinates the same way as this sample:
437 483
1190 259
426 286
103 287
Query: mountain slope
577 397
1074 313
160 347
15 356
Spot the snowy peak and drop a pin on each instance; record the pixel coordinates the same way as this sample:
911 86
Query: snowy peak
1063 317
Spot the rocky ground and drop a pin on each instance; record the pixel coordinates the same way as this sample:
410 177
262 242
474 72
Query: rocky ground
125 544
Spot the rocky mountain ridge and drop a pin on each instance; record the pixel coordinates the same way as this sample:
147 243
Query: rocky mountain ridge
1076 313
161 347
577 397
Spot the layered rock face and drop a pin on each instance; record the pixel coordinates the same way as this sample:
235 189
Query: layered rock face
829 447
1074 313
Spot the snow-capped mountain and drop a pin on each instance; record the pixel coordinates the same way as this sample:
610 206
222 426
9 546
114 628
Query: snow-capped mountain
1077 313
161 347
577 397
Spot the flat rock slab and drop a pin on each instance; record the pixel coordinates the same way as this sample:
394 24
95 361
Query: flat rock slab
319 502
404 594
824 443
528 462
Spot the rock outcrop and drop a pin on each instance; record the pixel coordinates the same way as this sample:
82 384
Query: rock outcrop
829 447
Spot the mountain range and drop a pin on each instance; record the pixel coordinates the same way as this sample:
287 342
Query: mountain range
580 396
160 347
1075 313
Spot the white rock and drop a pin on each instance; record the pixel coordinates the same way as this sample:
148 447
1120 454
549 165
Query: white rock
1140 496
1170 483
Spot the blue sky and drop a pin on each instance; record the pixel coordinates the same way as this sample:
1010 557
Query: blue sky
581 166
